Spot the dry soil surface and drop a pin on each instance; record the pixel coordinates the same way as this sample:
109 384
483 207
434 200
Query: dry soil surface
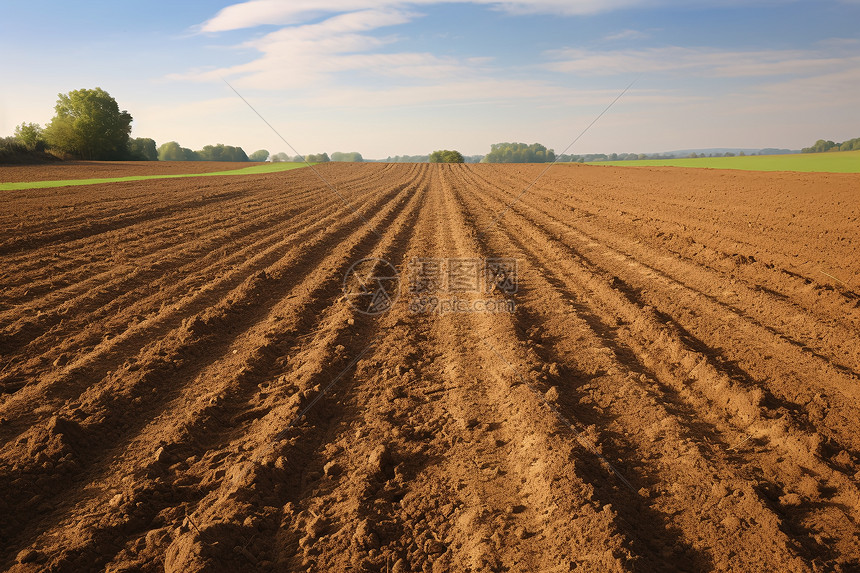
185 386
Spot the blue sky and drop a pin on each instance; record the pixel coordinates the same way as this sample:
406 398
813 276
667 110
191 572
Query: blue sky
392 77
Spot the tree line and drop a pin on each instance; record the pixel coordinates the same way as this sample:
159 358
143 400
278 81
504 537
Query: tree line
351 156
823 146
519 153
88 124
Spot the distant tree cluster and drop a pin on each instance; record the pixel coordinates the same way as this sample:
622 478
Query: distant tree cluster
172 151
259 156
312 158
352 156
317 158
284 158
822 146
406 159
519 153
445 156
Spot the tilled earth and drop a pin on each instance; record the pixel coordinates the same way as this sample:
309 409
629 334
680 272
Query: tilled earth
186 386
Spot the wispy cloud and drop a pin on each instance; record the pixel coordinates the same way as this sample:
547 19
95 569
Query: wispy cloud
307 56
699 61
286 12
626 35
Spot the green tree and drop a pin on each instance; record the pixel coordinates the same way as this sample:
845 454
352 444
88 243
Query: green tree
519 153
850 145
820 146
353 156
31 136
89 124
317 158
171 151
259 155
446 156
280 157
142 149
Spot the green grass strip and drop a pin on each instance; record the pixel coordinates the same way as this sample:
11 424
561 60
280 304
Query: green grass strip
833 162
252 170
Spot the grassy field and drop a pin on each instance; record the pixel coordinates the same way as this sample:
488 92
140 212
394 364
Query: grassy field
836 162
253 170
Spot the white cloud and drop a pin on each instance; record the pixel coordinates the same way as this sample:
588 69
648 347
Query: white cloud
285 12
626 35
310 56
696 61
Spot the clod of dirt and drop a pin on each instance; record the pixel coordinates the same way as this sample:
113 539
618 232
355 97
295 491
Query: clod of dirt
552 395
332 469
434 547
394 392
27 556
790 500
316 527
731 523
719 490
378 459
161 455
365 537
59 425
521 532
809 487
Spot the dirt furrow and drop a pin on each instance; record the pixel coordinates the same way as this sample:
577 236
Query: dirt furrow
165 292
169 231
561 506
304 367
254 342
661 345
768 357
672 387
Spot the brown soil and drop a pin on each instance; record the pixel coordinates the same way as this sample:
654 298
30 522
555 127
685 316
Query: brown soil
676 391
64 170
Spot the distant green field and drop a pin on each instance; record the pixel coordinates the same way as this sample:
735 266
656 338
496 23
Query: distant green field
835 162
253 170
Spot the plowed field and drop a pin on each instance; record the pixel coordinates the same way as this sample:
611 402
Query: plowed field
186 387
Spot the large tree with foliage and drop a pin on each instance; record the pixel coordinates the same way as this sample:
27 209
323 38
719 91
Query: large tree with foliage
31 136
519 153
89 124
171 151
353 156
446 156
259 155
